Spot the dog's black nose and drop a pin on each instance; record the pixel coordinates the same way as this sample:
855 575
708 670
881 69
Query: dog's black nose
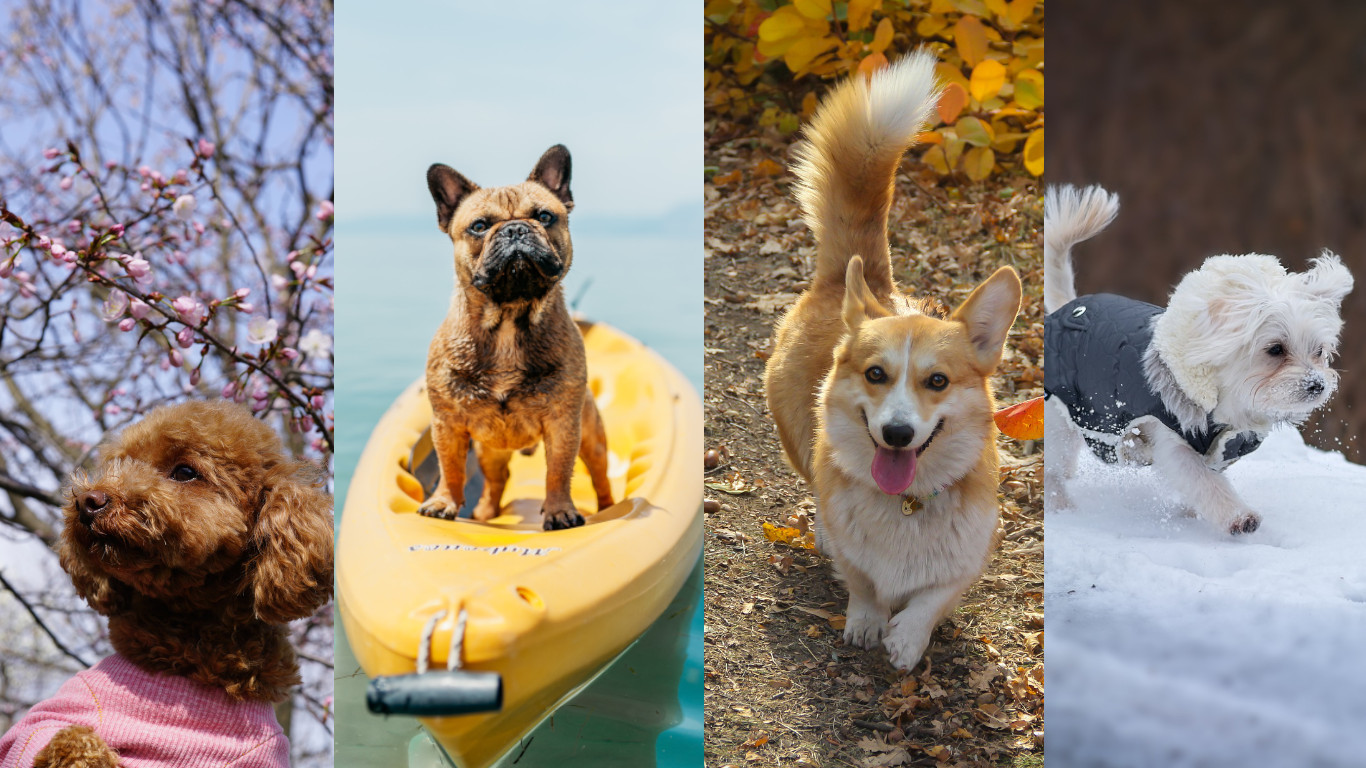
1314 386
515 230
90 505
898 435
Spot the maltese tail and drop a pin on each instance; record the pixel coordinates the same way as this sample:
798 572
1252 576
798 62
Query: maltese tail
1070 215
846 168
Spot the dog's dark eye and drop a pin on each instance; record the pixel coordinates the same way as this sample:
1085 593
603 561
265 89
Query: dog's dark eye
875 375
184 473
937 381
479 227
1319 353
1275 350
546 218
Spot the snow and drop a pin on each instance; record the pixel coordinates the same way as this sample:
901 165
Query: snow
1170 643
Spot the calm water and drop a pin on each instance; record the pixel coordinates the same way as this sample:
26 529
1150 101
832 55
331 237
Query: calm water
393 286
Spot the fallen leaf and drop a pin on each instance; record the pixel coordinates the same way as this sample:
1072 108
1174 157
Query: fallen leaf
791 536
722 179
767 167
1022 421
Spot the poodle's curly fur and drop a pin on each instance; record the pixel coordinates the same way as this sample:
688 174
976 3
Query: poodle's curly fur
199 538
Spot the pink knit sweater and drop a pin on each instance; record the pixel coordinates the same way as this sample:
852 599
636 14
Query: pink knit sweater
153 721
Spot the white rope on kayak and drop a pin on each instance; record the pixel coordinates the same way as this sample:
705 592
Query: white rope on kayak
457 648
424 648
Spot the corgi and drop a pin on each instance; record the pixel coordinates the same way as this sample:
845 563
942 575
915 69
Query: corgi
881 399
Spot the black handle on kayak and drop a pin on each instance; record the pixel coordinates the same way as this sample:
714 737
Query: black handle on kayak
454 692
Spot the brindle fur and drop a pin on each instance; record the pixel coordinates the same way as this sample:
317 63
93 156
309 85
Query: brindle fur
509 374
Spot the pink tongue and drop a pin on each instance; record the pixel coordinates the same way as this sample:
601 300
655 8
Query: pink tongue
894 470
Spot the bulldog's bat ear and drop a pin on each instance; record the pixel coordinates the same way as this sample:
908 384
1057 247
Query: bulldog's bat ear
448 188
552 172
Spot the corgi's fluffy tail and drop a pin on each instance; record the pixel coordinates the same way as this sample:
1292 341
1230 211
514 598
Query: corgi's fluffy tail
1070 215
846 168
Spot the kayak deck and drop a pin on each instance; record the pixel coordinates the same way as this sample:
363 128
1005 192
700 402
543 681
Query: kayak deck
546 609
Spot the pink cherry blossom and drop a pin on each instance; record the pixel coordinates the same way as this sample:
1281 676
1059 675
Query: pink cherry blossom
262 331
51 153
138 268
324 211
127 324
188 309
66 183
316 344
114 306
138 308
177 359
183 207
204 148
185 338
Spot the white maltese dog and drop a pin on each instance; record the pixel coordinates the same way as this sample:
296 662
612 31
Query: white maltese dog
1242 346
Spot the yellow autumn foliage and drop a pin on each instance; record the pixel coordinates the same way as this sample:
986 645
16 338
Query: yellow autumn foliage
767 60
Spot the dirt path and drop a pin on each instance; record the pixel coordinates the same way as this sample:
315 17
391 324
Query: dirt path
781 686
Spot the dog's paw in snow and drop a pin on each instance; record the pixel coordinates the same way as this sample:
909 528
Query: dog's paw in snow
1246 523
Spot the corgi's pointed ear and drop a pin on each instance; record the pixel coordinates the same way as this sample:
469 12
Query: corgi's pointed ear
859 303
988 314
1328 279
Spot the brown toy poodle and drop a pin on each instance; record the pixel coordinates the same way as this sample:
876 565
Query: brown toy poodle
199 538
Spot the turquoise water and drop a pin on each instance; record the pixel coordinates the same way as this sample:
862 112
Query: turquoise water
393 286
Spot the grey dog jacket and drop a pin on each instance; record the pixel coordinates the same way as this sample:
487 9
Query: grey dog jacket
1093 365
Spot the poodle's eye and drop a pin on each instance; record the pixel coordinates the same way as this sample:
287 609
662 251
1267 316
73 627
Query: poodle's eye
937 381
184 473
479 227
546 218
1319 353
1275 350
875 375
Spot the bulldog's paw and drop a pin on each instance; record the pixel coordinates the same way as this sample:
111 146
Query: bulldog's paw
441 506
485 510
558 518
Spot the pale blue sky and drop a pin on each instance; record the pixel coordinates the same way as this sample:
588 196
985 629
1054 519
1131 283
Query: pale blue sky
487 87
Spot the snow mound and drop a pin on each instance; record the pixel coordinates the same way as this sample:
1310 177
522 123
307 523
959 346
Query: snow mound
1170 643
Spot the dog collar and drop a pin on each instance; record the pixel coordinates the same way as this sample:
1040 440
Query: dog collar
912 504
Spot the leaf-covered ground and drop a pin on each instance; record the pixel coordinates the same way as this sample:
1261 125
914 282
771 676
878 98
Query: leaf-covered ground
782 688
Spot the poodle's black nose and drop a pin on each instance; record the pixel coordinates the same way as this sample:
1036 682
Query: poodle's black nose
898 435
91 504
1314 386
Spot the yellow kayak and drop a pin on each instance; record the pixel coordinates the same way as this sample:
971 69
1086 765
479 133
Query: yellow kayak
538 612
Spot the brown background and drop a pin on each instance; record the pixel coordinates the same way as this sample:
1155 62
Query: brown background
1225 128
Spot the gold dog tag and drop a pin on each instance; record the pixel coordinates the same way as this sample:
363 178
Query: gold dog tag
910 505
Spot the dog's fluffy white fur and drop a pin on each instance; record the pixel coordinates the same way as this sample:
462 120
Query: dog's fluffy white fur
1241 340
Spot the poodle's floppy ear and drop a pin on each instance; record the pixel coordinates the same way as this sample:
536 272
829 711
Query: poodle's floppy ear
292 572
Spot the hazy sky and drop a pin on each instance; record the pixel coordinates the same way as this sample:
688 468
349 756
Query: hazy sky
487 87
